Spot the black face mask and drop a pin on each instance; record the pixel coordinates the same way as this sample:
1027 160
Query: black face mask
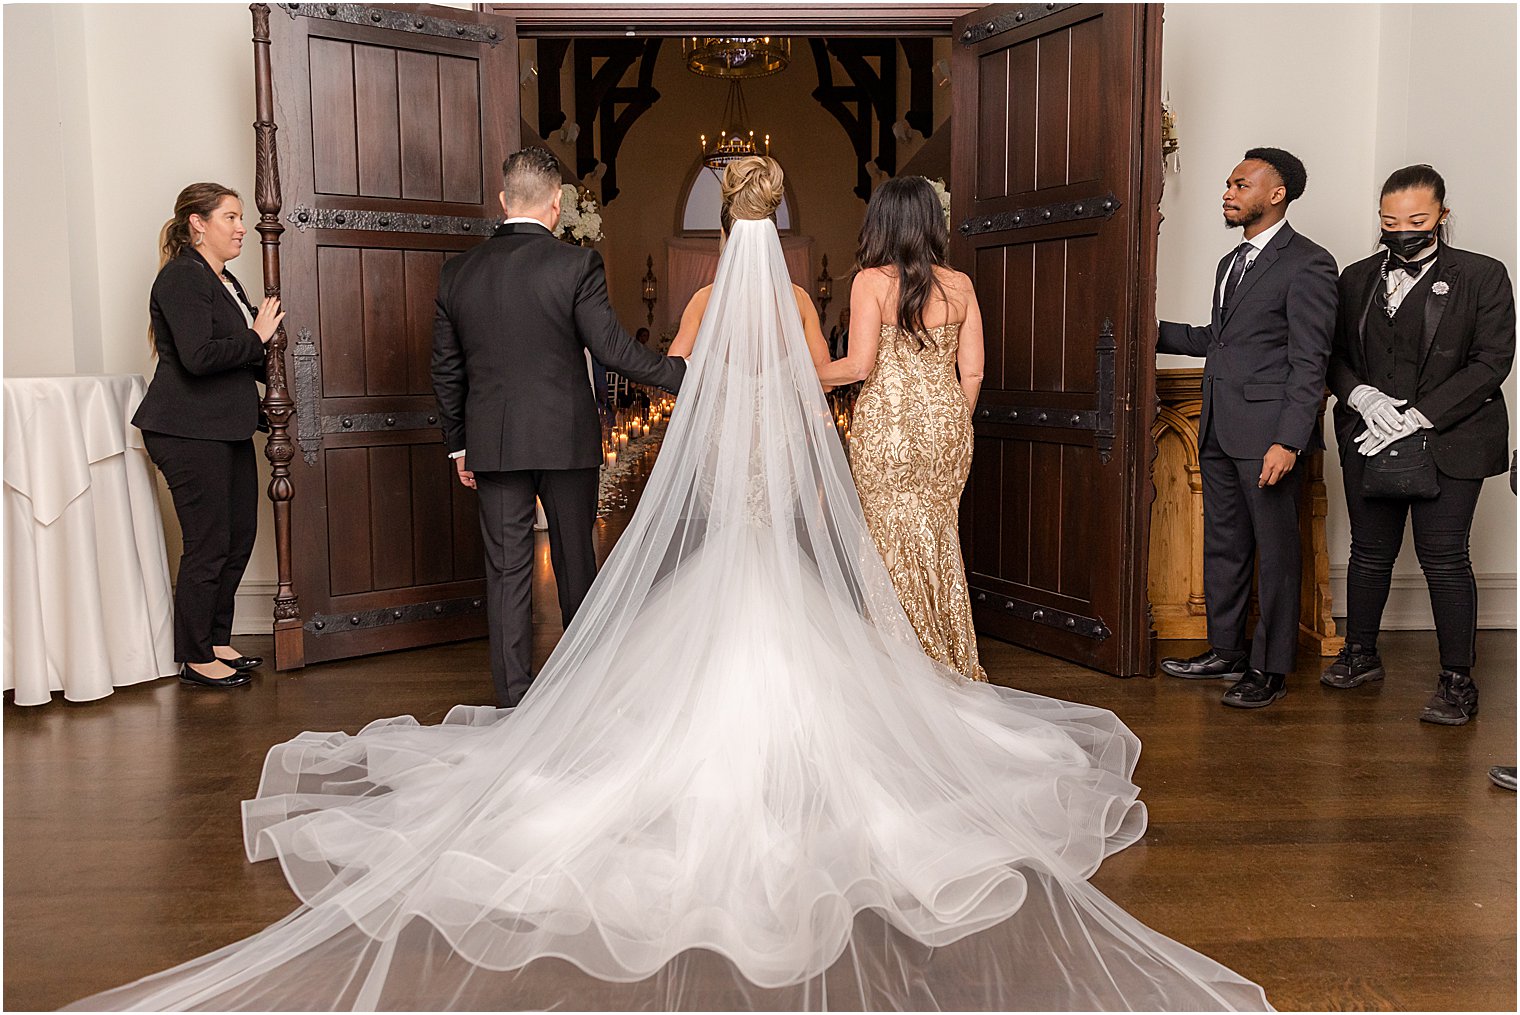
1408 242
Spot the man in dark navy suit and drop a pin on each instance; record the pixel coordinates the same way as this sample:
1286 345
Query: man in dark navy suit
1267 347
514 319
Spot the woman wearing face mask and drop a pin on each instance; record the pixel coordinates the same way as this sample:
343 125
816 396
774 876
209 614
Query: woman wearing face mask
1425 337
198 418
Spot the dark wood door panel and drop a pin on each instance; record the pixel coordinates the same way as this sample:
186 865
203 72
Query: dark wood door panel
396 120
1053 201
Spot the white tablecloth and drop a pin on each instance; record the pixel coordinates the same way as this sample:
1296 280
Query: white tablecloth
88 604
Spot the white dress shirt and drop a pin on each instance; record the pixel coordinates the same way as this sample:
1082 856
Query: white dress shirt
1259 241
1400 283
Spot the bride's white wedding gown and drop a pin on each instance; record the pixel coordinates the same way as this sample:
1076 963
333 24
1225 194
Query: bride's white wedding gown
737 783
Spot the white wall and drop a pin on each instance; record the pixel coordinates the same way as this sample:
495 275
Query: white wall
1339 98
110 109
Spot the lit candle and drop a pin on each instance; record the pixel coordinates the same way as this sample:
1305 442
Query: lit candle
612 458
623 442
646 429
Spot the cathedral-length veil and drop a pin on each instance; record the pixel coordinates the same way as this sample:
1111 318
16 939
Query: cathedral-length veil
737 783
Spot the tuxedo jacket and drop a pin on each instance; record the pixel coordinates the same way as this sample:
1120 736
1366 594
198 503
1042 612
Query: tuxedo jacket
1467 345
209 359
1266 357
514 318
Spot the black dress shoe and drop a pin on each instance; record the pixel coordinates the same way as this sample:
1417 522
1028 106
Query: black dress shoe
241 663
1502 776
1454 703
1256 690
190 676
1208 666
1353 667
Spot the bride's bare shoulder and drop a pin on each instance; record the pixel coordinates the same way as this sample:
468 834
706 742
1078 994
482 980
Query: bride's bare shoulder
699 298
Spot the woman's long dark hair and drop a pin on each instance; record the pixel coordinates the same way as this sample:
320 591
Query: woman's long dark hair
905 231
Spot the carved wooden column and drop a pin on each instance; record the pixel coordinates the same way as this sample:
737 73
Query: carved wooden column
289 649
1178 608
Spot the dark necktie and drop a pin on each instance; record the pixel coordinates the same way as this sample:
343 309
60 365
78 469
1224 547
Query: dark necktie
1237 272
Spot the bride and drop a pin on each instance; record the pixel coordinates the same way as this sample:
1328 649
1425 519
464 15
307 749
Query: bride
738 782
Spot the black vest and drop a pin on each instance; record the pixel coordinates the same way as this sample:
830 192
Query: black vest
1393 343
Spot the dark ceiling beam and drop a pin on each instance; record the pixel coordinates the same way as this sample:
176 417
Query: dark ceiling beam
920 55
598 94
551 107
872 92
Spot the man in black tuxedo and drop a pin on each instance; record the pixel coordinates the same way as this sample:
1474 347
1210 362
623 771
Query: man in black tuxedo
514 319
1267 347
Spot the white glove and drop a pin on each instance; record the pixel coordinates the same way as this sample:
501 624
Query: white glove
1370 442
1416 418
1379 411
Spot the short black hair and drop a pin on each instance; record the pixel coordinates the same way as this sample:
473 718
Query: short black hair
1289 169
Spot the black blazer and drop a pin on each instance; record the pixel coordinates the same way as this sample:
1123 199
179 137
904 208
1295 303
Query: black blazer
1467 346
1264 375
208 357
514 318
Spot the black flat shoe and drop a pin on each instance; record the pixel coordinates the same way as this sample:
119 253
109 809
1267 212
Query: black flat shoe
1256 690
1208 666
1503 776
241 663
189 676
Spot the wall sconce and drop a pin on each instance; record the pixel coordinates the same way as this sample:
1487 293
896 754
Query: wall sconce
824 289
650 288
1171 144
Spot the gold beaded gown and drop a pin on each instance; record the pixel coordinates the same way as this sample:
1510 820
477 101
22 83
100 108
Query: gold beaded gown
910 451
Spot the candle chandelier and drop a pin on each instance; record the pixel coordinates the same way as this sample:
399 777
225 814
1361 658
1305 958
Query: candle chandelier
735 59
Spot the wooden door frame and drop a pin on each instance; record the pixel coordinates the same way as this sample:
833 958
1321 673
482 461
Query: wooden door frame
1137 361
558 19
278 404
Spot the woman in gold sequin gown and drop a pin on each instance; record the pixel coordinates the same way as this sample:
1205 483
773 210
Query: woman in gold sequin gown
916 340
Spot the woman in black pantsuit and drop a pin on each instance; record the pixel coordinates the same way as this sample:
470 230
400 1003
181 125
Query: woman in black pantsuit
1425 337
198 418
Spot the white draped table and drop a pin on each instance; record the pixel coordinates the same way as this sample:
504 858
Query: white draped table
88 604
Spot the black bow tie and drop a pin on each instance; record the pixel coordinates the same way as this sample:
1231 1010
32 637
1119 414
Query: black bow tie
1410 268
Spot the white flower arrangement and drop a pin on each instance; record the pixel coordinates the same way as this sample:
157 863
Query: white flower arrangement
580 220
944 199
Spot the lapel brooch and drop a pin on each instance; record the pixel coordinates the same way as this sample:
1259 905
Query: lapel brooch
1440 288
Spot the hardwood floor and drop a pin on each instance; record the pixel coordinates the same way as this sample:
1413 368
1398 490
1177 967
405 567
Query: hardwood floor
1331 847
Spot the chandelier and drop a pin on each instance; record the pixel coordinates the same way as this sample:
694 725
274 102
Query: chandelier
736 140
727 57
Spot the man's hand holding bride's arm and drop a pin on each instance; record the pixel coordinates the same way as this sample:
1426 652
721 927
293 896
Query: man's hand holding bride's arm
610 342
865 333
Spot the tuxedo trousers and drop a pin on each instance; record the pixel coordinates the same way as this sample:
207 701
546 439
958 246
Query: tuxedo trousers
215 486
1244 524
507 514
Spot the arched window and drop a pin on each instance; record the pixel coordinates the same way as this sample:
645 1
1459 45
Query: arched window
704 201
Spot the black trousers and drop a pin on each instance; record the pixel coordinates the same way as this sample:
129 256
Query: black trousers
1441 530
1243 525
506 522
215 486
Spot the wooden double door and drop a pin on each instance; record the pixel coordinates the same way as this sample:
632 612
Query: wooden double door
394 121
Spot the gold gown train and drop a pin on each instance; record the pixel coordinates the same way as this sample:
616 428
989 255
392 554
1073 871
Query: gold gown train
910 451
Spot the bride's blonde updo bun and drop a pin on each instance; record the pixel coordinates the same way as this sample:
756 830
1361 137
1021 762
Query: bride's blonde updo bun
752 187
